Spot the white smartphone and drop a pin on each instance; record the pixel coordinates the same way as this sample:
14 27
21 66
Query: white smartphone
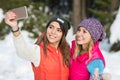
21 12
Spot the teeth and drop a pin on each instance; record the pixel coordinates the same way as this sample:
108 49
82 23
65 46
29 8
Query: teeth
52 36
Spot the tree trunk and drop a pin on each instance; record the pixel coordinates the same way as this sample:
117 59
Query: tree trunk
78 12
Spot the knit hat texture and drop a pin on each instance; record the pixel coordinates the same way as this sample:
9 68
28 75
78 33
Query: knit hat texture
65 24
94 27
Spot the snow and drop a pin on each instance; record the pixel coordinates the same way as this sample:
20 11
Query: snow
14 68
115 29
112 61
1 15
11 66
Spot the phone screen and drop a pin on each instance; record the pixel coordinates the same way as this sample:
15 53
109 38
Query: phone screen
21 12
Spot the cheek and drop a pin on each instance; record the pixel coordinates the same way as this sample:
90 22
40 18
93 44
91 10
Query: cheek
48 30
47 33
88 38
59 36
78 34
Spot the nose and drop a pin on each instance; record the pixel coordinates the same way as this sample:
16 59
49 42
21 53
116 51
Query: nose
79 33
53 31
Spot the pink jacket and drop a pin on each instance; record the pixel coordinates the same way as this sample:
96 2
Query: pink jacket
78 67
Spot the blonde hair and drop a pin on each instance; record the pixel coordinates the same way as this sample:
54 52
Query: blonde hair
78 49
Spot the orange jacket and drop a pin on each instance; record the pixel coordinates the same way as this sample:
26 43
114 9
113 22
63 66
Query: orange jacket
51 67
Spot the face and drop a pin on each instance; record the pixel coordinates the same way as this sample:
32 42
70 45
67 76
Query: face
54 33
83 37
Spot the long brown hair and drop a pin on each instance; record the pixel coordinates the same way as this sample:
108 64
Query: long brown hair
78 49
64 46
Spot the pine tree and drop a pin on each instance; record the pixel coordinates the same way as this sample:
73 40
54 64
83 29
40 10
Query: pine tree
104 10
35 23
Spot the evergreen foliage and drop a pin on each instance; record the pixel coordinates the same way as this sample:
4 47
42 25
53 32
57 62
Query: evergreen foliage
39 12
38 17
5 6
115 47
105 12
35 23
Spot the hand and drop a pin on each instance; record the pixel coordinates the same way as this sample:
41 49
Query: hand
10 19
107 76
95 76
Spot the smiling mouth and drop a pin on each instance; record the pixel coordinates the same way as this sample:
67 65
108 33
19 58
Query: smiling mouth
52 37
80 38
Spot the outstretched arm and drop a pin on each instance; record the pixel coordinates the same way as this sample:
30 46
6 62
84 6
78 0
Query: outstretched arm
28 52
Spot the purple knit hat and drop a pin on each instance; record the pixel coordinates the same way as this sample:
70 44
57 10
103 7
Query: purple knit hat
94 27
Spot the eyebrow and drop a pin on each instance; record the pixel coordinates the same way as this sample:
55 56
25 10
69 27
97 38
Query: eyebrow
53 26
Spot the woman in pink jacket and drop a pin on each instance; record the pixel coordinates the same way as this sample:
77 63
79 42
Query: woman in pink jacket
85 53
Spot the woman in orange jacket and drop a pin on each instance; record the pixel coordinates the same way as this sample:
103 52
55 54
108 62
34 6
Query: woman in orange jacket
50 55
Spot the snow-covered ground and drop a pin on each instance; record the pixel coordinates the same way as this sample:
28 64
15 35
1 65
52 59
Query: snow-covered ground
14 68
11 66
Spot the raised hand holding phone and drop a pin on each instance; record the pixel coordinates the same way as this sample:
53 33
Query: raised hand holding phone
10 19
21 12
13 15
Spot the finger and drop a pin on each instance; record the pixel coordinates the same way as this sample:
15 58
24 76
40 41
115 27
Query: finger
10 16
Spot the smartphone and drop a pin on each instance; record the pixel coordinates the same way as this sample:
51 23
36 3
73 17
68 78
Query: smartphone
21 12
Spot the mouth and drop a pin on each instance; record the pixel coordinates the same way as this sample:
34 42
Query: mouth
79 38
52 37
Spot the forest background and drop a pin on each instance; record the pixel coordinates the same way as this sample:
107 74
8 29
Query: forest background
74 10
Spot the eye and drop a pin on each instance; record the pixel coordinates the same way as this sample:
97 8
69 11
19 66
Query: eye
84 31
50 26
59 30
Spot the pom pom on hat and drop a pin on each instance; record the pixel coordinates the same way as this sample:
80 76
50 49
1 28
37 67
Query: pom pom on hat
94 27
65 24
